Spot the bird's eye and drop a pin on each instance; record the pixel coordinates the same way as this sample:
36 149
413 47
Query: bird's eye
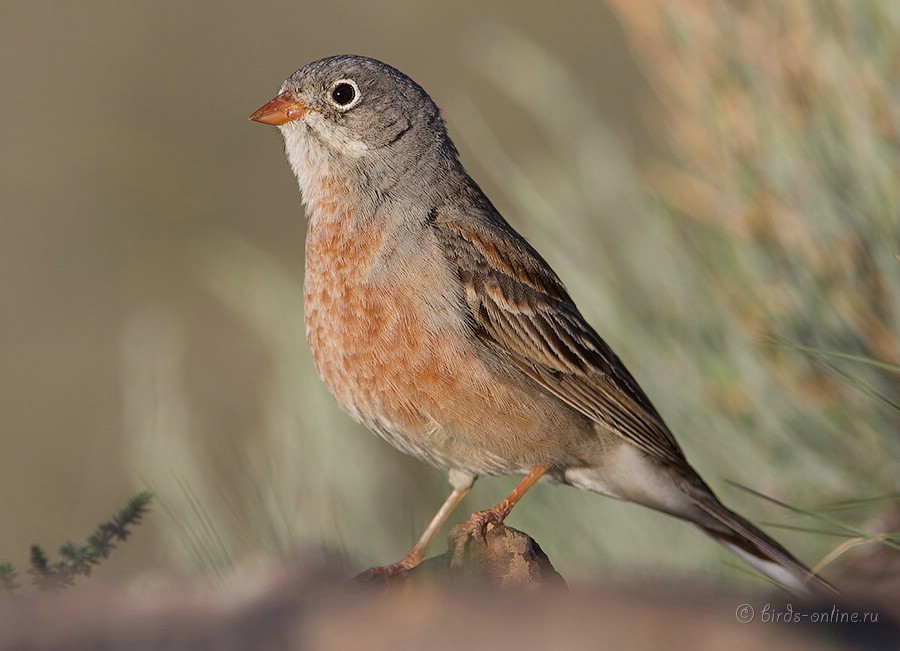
345 94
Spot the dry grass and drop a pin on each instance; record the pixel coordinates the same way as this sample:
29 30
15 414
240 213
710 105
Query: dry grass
783 180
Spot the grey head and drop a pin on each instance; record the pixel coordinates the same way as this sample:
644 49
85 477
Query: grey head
362 120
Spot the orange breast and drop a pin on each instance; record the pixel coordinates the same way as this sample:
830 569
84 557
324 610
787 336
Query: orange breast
387 337
370 340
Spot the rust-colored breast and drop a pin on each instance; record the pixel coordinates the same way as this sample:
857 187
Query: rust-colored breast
387 335
365 330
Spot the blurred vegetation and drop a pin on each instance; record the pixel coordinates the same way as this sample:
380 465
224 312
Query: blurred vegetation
724 273
783 125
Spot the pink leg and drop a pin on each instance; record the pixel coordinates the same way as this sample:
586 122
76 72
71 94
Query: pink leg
417 553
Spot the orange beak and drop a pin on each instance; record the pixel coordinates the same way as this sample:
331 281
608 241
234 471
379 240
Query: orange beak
283 108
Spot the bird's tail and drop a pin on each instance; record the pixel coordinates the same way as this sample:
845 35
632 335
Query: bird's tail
743 538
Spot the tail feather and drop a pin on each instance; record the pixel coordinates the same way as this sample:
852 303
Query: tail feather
744 539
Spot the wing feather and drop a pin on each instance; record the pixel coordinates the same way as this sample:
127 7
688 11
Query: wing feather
521 309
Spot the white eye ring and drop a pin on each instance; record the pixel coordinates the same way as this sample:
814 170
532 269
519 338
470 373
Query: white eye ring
344 94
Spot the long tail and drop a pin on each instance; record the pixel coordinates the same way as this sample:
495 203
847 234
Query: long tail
743 538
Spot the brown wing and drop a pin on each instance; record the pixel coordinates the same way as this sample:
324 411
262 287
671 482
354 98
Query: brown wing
519 306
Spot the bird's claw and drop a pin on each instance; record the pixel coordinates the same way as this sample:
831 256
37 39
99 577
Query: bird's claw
381 574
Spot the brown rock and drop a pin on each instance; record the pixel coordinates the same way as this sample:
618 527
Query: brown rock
505 558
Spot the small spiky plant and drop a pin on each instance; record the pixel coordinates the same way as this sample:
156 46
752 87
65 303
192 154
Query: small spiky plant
78 560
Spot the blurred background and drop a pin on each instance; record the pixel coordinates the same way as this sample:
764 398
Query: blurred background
716 182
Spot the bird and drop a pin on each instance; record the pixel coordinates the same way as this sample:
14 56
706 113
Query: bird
435 324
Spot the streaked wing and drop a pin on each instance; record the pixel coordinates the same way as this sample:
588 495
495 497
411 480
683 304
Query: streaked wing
519 306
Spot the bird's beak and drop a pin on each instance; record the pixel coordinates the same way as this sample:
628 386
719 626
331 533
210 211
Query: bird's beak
280 110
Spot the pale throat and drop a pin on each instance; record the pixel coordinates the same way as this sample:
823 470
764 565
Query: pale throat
312 145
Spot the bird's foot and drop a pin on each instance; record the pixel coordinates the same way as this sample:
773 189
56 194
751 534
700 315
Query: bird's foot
386 573
383 573
477 524
476 527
